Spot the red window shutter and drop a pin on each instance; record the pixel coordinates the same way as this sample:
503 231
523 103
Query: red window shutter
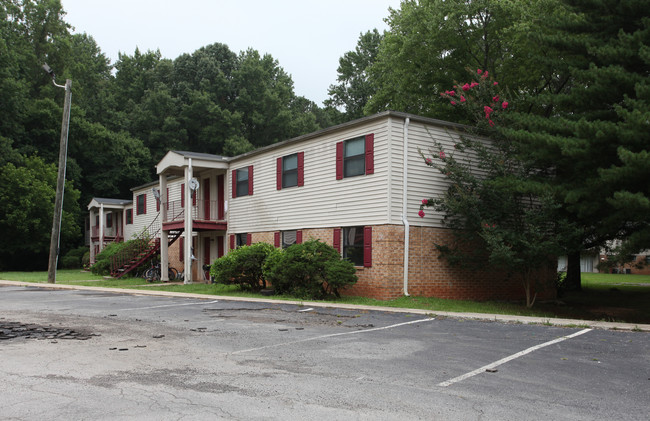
167 198
144 209
301 169
219 246
367 247
278 174
370 153
157 205
298 237
206 251
181 249
337 239
276 239
232 241
183 195
234 183
250 180
220 197
249 239
193 194
339 161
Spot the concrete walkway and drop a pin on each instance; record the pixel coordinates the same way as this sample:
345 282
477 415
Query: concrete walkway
478 316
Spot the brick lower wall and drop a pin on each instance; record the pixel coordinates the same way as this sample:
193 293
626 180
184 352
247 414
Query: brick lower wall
428 275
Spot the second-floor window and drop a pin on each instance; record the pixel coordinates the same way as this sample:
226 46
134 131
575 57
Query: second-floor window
355 157
242 182
290 171
141 204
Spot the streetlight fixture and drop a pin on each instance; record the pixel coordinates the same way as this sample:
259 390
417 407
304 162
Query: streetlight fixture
60 181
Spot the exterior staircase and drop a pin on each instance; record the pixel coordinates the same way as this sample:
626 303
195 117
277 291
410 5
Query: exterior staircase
141 250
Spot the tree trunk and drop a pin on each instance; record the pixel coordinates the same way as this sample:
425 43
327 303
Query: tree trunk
572 281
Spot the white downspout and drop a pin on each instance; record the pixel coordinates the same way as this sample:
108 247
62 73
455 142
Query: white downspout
405 208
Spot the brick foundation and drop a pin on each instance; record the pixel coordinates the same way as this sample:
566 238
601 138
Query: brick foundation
428 275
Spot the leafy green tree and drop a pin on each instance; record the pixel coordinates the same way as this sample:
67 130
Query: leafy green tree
432 42
354 90
500 215
27 196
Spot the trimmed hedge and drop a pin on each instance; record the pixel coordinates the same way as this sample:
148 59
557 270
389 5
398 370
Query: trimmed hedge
309 270
243 267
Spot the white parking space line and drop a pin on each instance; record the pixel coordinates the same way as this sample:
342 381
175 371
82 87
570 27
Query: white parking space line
166 305
306 309
331 336
510 358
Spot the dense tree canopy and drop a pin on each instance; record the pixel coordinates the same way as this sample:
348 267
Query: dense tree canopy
127 115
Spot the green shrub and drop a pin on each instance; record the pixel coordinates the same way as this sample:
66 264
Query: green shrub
309 270
72 260
85 260
102 264
243 266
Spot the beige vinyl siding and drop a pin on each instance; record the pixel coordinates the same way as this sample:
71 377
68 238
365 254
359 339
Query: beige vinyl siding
323 201
396 169
424 181
129 230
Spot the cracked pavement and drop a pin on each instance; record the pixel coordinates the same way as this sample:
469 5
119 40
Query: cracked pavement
172 358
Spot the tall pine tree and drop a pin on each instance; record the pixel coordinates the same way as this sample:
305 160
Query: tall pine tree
586 130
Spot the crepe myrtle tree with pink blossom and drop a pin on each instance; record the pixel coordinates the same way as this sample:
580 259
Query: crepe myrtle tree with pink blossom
501 217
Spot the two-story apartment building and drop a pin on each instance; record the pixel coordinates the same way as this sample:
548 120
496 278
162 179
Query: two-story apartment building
356 186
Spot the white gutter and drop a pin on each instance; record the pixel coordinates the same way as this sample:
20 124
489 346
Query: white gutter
404 208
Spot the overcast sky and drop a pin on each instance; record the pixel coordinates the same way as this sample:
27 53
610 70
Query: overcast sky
306 37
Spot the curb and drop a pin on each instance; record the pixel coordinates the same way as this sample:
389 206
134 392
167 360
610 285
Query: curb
475 316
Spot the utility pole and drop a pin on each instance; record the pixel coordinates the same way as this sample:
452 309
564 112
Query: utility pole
60 180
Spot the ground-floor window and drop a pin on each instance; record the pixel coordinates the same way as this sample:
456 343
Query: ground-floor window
353 241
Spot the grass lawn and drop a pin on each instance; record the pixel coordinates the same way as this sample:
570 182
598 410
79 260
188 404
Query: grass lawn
607 297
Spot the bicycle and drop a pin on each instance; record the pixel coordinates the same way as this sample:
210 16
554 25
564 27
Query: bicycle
206 274
153 274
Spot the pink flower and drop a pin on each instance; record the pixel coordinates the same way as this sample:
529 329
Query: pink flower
495 98
425 201
462 99
442 155
474 84
479 71
495 83
488 111
452 93
466 87
428 160
453 102
491 123
485 75
421 214
504 105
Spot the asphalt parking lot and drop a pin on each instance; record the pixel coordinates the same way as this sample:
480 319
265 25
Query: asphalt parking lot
129 356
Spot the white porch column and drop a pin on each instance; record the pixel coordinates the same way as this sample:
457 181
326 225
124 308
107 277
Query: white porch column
188 225
101 227
164 234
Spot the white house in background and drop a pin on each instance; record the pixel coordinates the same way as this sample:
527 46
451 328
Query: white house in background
108 220
356 186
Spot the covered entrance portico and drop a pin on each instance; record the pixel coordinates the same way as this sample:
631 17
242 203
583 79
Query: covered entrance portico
203 213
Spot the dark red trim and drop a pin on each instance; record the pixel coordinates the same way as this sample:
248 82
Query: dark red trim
250 180
220 196
181 249
276 239
339 161
232 241
278 174
234 183
298 237
301 169
336 241
370 154
183 195
367 247
249 239
219 246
